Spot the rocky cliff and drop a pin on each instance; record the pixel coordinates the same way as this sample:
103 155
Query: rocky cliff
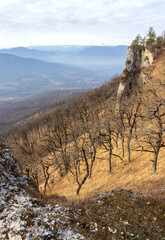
24 217
138 68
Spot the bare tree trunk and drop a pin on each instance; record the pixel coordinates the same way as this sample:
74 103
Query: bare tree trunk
45 185
46 176
110 157
87 172
90 170
92 162
117 141
155 160
128 148
58 165
122 142
83 181
28 172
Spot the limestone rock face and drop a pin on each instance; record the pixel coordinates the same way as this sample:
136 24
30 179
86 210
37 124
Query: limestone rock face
133 61
120 89
138 71
137 68
147 58
23 217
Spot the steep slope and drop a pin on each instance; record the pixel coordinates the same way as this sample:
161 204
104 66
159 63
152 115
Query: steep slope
136 175
72 149
75 142
118 214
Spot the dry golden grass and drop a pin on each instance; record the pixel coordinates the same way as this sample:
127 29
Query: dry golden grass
135 176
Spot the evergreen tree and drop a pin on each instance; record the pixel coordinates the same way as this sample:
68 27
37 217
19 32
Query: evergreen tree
138 42
151 36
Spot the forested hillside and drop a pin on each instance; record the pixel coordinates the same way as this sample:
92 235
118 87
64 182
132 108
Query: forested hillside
111 137
87 154
25 76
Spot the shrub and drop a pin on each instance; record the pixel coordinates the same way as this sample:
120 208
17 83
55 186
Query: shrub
128 62
160 42
124 76
151 36
138 43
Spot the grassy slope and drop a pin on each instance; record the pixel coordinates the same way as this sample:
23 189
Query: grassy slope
136 176
121 214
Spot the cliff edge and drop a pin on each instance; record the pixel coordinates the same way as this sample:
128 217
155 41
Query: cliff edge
138 68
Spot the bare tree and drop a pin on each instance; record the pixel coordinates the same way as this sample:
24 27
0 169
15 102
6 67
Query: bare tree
45 164
129 111
56 141
109 132
152 129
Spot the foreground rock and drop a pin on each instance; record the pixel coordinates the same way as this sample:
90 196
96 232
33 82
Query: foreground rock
23 217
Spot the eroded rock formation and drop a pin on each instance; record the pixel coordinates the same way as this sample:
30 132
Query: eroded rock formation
138 69
24 217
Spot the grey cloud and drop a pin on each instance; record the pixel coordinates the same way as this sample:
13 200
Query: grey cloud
114 18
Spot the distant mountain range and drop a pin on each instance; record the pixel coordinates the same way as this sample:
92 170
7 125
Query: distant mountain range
104 60
104 51
56 51
28 53
24 71
24 76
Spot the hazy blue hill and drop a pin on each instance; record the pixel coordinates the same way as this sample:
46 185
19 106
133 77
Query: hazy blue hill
63 49
29 53
71 51
22 65
103 60
105 51
107 60
25 70
120 50
26 75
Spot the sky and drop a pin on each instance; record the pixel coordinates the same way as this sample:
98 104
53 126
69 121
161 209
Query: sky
78 22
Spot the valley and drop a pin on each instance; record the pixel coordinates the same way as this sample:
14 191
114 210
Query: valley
82 120
98 152
98 132
32 106
25 76
27 71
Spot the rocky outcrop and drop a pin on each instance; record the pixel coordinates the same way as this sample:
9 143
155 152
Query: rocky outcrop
137 69
133 61
24 217
147 58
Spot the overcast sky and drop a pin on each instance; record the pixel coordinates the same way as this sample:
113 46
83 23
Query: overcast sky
91 22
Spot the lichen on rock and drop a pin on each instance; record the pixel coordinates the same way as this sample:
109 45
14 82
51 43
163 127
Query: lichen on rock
21 216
